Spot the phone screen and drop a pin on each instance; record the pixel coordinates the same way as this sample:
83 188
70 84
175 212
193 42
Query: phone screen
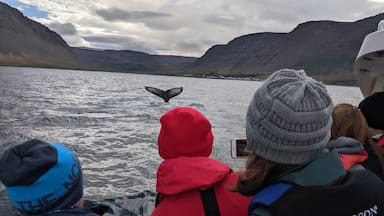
239 148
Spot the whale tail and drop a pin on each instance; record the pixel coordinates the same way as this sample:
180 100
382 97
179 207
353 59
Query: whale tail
166 95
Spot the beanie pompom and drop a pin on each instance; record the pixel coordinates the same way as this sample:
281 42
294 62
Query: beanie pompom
184 132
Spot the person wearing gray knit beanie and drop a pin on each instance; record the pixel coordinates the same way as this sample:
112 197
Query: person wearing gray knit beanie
289 170
289 118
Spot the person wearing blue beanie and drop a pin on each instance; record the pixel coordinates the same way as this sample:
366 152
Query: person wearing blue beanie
43 179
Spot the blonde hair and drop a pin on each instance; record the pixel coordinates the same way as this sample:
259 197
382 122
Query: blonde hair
349 121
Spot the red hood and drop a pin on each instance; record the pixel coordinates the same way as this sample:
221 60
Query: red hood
187 173
349 160
381 141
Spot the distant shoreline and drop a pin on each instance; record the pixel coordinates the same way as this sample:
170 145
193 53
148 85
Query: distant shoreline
260 77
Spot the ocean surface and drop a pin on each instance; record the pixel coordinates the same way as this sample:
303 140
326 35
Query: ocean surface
112 124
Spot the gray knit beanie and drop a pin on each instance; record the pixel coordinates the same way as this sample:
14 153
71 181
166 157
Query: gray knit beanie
289 118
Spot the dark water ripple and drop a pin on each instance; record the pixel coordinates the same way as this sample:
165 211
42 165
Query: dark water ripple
112 124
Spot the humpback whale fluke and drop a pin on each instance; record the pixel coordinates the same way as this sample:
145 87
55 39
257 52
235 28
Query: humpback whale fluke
166 95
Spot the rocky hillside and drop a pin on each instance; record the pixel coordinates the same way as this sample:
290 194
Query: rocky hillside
325 49
24 42
131 61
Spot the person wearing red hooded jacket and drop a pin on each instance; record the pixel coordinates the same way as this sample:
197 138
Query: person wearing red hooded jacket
189 182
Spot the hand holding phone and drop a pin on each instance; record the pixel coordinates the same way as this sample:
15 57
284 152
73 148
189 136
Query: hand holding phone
239 148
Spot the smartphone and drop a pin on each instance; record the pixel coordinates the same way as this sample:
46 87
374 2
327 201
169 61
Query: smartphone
239 148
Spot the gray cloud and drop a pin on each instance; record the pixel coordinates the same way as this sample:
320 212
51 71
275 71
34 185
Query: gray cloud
163 26
108 39
281 13
225 21
190 46
151 19
118 43
116 14
63 28
188 27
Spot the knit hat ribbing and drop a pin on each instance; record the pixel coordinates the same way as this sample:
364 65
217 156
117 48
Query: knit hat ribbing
40 177
372 108
289 118
184 132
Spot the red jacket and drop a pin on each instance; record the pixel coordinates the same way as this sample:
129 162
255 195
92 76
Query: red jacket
380 142
350 160
180 179
350 151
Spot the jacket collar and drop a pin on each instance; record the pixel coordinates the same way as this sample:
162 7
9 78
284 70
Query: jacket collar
182 174
324 170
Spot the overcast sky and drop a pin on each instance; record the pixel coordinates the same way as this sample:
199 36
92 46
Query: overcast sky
182 27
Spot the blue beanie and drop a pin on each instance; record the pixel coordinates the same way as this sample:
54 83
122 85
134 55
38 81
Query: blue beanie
41 177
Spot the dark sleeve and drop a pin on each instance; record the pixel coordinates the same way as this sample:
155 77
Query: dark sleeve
372 163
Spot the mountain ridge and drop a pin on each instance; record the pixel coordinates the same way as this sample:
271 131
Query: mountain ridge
25 42
325 49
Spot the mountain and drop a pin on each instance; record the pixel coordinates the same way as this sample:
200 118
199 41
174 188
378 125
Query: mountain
131 61
324 49
24 42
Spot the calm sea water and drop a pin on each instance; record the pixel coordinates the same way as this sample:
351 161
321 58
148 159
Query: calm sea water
112 123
